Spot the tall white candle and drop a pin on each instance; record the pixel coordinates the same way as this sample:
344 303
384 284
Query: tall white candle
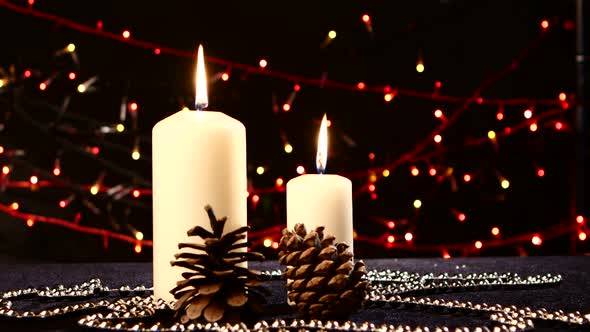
199 158
322 199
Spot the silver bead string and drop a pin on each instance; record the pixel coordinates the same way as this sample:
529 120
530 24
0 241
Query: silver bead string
389 289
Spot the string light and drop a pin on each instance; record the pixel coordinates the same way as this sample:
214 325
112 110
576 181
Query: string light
300 169
558 125
414 170
478 244
288 148
579 219
391 224
126 34
528 114
267 243
437 138
505 184
260 170
536 240
262 63
30 222
495 231
255 199
417 203
390 239
409 237
157 51
432 171
582 236
385 173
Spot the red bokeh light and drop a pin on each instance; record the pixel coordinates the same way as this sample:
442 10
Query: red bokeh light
27 73
126 34
275 245
373 196
262 63
558 125
462 217
42 86
279 182
540 172
499 116
136 193
286 107
495 231
391 224
371 187
466 177
99 25
30 222
582 236
14 206
579 219
544 24
157 51
432 171
133 106
297 87
72 75
478 244
225 77
562 96
360 85
437 84
56 171
62 204
371 156
415 171
255 198
137 248
390 239
533 127
366 18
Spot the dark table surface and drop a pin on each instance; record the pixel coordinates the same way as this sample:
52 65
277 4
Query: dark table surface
573 294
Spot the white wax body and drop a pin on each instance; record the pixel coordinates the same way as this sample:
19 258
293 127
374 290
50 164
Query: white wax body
199 158
321 200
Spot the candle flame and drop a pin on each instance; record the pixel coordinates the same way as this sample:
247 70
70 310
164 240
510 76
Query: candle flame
322 155
201 100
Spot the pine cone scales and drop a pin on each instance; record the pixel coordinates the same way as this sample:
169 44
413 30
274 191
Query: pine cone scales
215 287
322 279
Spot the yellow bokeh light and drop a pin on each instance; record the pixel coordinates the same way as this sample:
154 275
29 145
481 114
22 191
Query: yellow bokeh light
332 34
372 178
417 204
139 236
81 88
1 83
385 173
267 242
135 155
288 148
260 170
491 134
120 127
94 190
420 67
71 47
185 109
505 184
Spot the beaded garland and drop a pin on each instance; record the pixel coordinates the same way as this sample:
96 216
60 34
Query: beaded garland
393 289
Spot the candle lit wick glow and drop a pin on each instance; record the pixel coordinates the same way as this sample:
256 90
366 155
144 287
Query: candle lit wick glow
322 155
201 100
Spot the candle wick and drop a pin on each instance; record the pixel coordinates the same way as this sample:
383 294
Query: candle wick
201 106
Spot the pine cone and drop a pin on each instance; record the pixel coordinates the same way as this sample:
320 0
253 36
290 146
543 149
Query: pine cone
322 279
216 287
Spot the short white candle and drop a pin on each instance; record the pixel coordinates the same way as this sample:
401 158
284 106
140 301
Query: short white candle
322 199
199 158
